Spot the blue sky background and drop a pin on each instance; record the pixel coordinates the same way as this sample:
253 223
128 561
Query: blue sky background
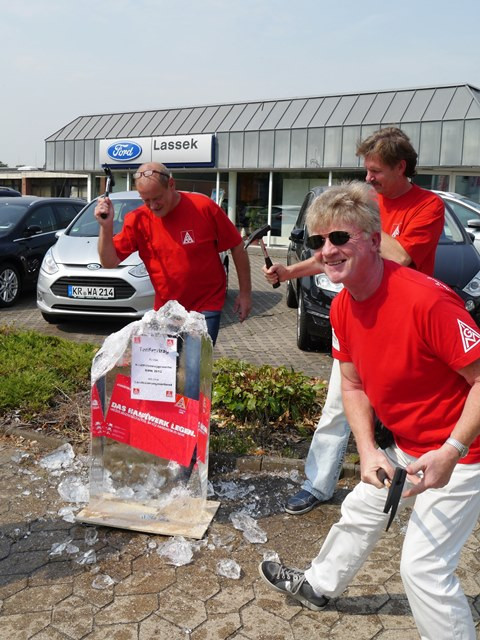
61 59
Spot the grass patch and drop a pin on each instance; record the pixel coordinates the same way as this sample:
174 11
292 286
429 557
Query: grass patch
35 369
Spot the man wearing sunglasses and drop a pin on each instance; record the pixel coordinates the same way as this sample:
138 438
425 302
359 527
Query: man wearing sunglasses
412 220
179 236
409 352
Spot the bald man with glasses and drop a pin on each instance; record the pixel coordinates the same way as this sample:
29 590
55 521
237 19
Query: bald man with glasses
179 236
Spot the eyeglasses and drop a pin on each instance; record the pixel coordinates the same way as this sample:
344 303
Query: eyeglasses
337 238
149 172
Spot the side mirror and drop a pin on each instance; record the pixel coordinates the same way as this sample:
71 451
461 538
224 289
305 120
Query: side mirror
32 230
475 223
297 235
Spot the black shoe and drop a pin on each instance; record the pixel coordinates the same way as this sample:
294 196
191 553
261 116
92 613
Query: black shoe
291 582
301 502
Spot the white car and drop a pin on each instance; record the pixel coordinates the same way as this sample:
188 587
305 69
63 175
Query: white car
467 211
72 281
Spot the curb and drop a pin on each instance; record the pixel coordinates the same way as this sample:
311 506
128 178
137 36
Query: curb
219 462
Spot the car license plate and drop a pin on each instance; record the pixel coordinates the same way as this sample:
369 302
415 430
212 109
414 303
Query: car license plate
94 293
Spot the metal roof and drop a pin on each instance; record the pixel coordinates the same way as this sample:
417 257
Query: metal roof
355 115
455 102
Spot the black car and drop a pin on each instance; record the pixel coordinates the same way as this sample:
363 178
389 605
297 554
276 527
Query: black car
27 230
8 192
457 263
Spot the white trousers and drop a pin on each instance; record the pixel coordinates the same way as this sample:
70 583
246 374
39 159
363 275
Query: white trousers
440 523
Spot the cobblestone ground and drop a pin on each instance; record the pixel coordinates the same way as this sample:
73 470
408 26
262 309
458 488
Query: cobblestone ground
65 580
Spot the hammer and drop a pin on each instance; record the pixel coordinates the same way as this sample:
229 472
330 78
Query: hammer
258 235
109 186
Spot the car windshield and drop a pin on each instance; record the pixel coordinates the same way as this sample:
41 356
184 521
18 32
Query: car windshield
465 213
87 226
451 231
10 214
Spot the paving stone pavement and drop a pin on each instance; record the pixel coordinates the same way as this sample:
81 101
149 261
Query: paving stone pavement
49 590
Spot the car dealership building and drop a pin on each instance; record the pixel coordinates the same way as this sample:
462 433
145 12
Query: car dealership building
258 159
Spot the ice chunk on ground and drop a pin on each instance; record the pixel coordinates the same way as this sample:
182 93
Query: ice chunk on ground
61 458
103 581
89 557
91 536
66 513
271 556
178 551
73 489
229 569
251 531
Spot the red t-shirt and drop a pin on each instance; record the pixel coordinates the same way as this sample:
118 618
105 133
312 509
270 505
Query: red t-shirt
416 221
407 341
180 251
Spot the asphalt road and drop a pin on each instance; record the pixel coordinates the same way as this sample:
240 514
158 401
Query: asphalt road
266 337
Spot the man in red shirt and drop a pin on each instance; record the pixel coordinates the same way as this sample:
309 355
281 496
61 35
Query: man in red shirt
409 353
412 220
179 236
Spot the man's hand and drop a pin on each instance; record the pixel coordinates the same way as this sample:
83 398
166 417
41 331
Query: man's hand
243 305
104 212
437 467
370 464
276 273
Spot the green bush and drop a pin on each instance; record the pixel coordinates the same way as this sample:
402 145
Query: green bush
35 368
264 394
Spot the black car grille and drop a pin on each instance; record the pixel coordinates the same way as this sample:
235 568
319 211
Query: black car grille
122 289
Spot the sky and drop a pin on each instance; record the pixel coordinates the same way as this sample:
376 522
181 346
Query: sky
61 59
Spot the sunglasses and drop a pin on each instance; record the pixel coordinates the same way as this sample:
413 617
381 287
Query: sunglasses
337 238
148 173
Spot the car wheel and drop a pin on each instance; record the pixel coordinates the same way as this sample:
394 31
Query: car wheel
304 340
10 285
292 302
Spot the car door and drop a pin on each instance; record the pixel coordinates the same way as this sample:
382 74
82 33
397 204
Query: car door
37 236
65 212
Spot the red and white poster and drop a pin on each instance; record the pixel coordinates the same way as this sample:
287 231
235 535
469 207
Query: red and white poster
165 429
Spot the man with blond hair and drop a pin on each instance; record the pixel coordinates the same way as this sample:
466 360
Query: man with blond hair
179 236
409 352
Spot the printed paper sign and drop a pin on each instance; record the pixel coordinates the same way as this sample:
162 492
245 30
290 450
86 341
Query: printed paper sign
154 369
165 429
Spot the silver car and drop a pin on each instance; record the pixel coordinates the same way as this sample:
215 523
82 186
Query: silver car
72 282
467 211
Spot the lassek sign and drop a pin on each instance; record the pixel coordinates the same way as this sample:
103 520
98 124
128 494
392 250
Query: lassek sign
183 150
180 151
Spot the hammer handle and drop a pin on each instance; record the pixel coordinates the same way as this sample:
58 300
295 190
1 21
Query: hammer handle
269 263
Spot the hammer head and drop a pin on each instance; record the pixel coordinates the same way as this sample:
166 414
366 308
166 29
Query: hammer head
256 235
110 180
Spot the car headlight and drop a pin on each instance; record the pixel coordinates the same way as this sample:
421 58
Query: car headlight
323 282
473 287
139 271
49 265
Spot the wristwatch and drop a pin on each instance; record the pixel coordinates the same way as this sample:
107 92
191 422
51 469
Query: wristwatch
461 448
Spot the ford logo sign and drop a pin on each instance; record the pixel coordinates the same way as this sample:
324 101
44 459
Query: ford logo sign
124 151
94 266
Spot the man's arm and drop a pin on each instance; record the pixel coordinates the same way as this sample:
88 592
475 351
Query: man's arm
279 272
106 249
391 249
437 465
360 417
243 303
